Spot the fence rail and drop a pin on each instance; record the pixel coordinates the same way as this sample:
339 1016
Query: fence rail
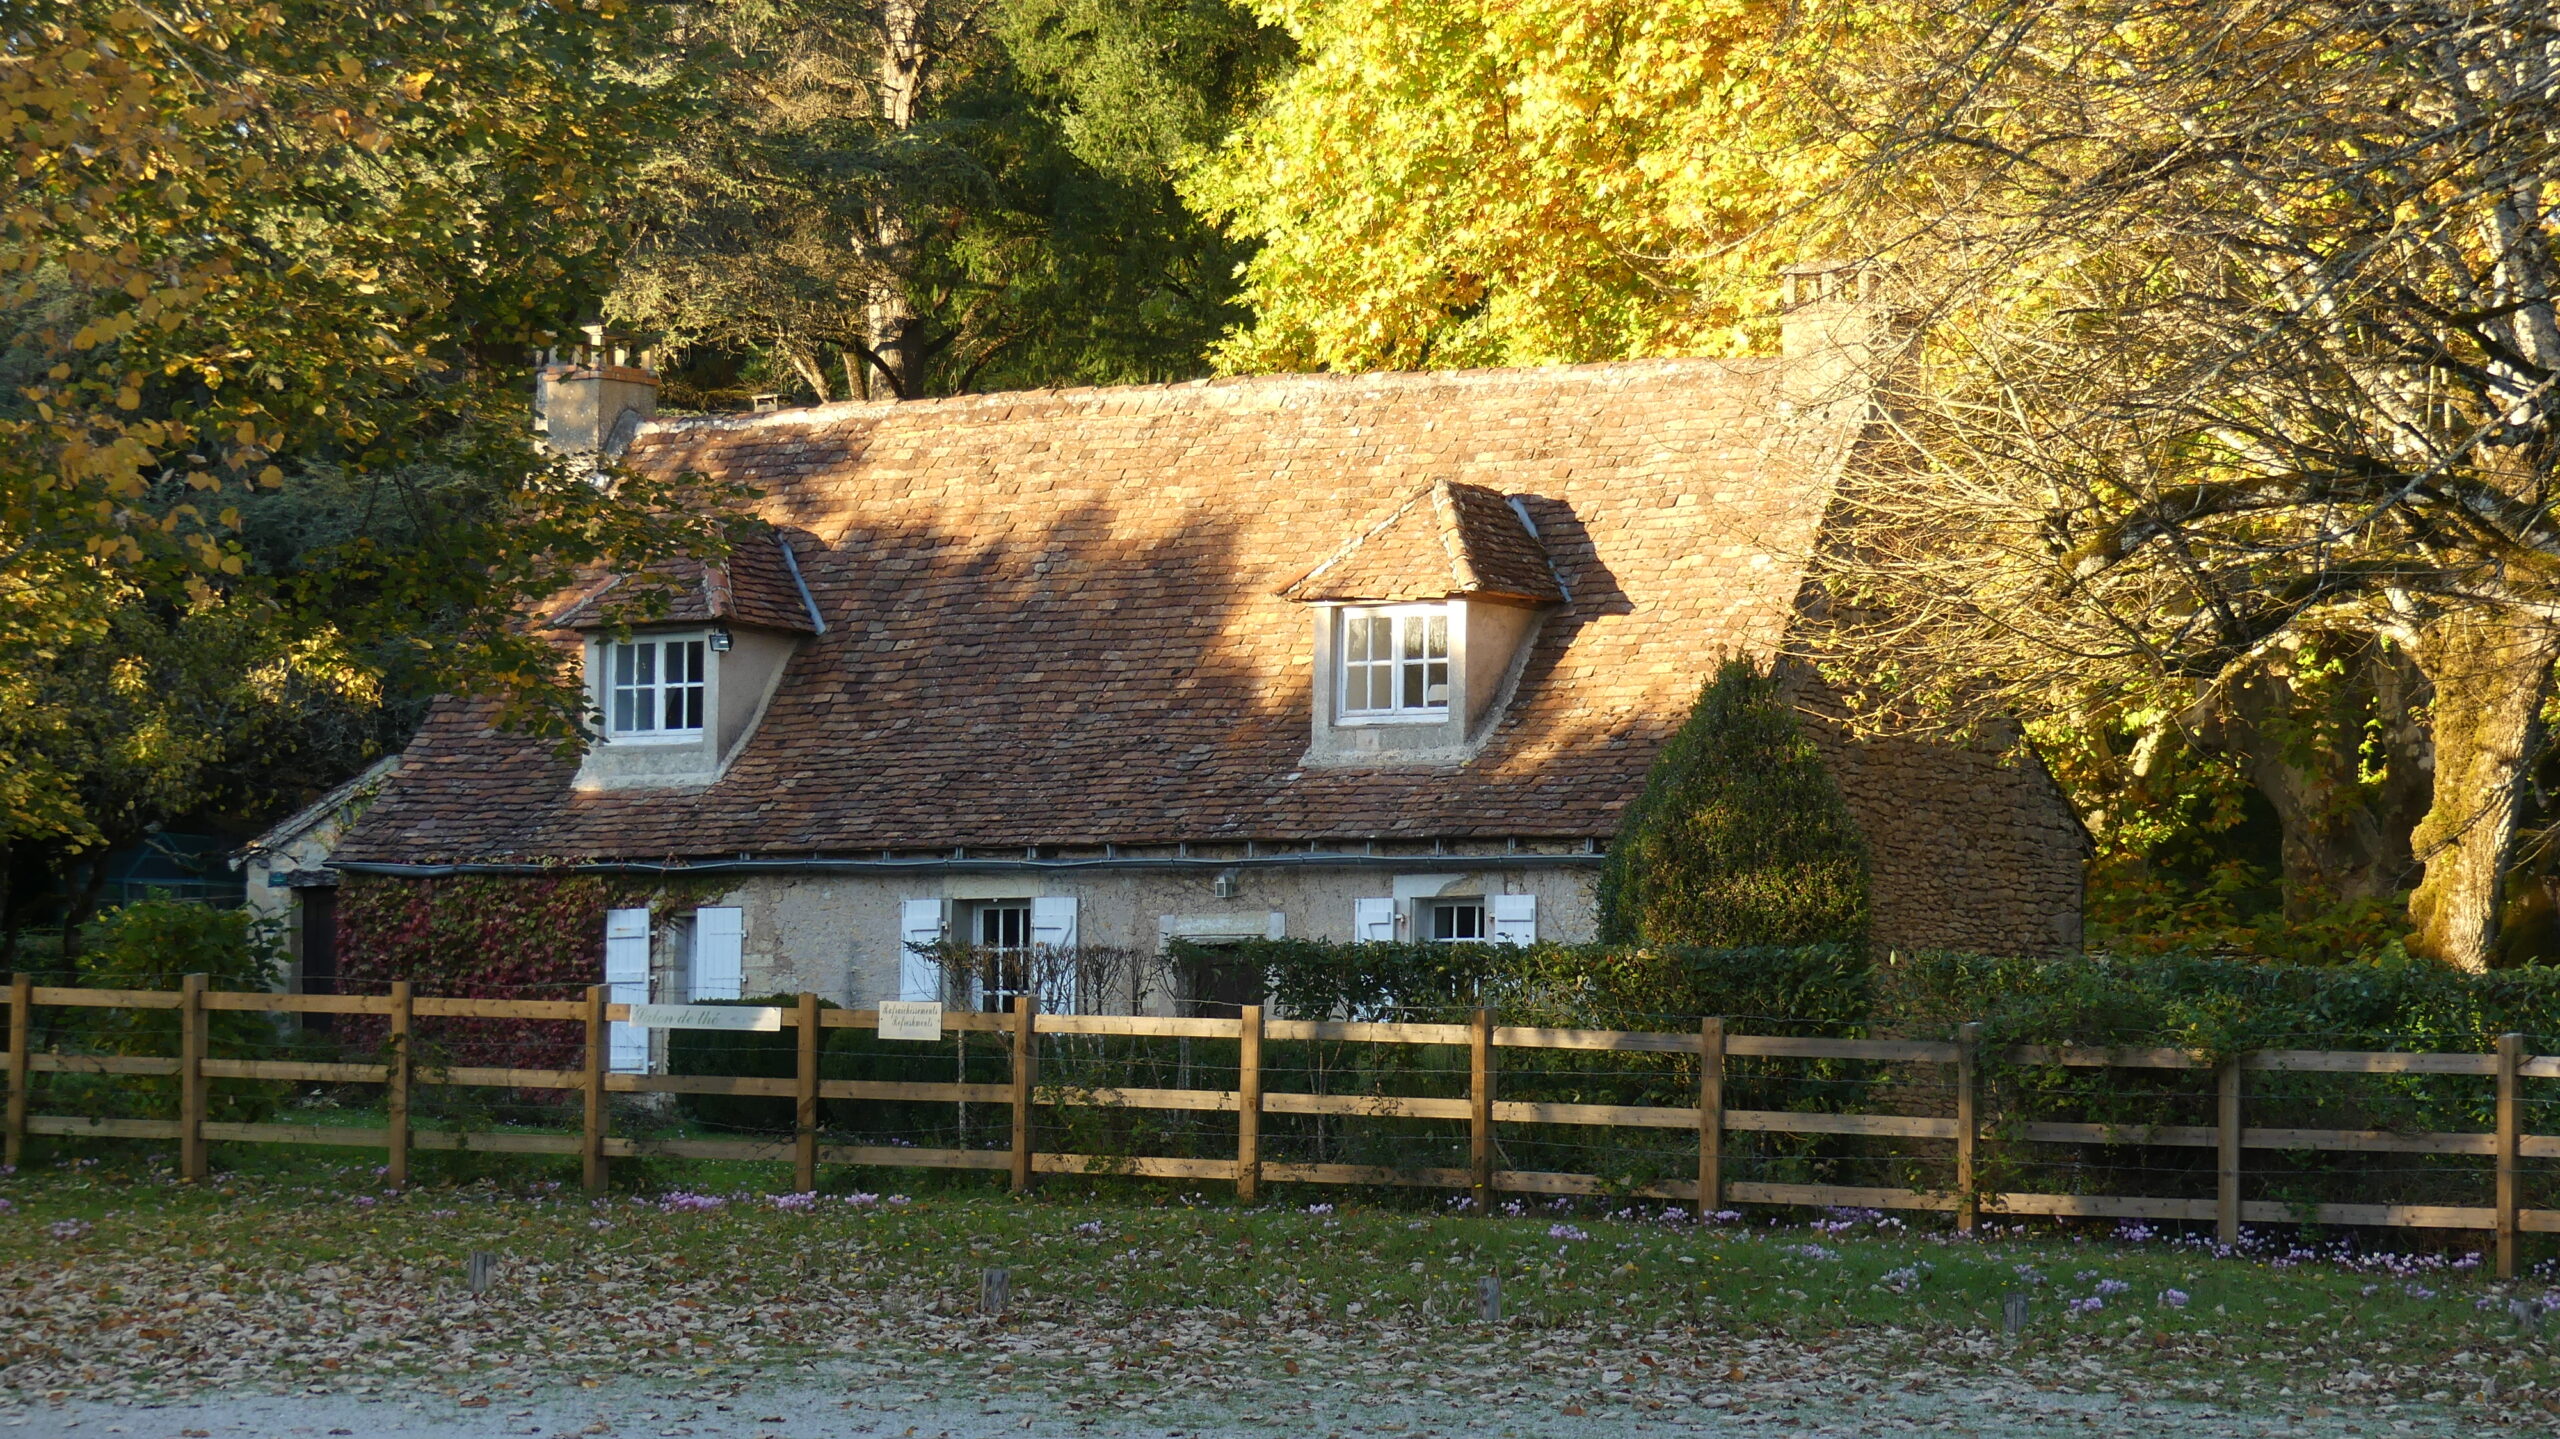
1024 1095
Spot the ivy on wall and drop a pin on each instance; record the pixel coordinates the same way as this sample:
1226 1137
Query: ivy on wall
491 937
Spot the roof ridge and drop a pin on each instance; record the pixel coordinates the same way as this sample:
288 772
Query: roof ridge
1453 539
831 411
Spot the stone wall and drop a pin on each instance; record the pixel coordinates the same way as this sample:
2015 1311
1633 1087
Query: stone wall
839 934
1969 847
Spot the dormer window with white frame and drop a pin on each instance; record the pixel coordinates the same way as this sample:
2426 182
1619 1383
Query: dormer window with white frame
1423 623
1395 662
657 687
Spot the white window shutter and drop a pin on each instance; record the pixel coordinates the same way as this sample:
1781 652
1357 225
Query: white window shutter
719 953
921 924
1515 918
1373 921
1053 940
626 948
1053 921
626 976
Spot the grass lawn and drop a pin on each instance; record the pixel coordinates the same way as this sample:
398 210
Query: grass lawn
119 1282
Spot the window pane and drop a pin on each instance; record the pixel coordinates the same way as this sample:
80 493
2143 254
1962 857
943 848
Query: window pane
690 670
1355 688
1412 687
693 707
1461 920
645 657
1438 644
622 664
622 711
1435 684
1355 639
1412 637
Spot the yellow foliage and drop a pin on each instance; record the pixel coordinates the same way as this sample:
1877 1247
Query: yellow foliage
1502 182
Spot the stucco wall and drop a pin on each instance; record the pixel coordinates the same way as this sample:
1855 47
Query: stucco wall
839 935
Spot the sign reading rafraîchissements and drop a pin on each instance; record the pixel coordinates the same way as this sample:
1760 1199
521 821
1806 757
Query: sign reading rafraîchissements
910 1019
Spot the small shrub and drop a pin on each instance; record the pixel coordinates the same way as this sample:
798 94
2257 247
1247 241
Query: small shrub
155 944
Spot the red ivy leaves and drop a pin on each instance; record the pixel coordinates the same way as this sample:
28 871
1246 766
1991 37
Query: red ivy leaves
487 937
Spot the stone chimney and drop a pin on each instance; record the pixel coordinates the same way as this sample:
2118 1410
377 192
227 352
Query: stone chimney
1834 331
591 401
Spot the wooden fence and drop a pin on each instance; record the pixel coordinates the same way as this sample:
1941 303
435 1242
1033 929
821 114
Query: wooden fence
2230 1138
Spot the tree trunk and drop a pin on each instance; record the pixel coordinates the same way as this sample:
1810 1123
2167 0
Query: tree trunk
811 374
2344 839
896 331
2491 673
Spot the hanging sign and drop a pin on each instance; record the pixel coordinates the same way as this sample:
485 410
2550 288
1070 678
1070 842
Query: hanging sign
760 1020
910 1019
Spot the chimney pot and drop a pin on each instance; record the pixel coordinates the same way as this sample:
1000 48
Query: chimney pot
1833 333
595 403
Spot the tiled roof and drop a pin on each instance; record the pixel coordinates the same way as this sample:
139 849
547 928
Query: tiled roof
1449 539
754 585
1055 617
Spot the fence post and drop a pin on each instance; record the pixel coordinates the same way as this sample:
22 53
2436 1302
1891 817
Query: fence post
1480 1109
1026 1058
1710 1115
1249 1103
395 1100
591 1129
1968 1126
22 998
805 1125
2510 1131
2226 1199
191 1095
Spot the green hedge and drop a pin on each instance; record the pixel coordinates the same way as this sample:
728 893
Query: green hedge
1593 986
1740 836
154 945
1829 990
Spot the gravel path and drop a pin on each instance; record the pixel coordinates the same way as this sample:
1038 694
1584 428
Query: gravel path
851 1402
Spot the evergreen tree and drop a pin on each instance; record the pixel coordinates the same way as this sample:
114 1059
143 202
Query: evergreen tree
1740 837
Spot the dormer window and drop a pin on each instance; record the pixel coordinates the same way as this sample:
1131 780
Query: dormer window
656 688
1395 662
677 701
1423 623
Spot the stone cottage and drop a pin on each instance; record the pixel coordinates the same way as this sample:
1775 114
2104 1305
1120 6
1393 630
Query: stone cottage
1341 657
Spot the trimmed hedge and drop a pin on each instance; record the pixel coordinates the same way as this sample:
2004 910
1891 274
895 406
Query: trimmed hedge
2217 1005
1595 986
1740 836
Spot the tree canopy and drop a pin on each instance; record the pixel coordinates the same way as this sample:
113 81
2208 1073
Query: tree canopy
1455 182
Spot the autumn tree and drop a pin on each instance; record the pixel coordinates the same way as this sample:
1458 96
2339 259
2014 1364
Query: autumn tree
271 275
2229 346
1464 182
893 198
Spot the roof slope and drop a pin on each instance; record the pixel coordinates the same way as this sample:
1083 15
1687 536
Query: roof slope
1449 539
756 585
1055 617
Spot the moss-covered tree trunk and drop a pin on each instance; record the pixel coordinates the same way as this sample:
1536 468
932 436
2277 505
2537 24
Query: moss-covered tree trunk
2492 674
2310 730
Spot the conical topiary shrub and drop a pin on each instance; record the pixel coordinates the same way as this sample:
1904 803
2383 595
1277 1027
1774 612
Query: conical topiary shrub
1740 837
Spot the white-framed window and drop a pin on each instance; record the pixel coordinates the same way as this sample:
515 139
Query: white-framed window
1001 932
1395 660
655 687
1452 921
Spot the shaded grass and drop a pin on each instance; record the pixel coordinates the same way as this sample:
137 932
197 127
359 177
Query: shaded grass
1311 1262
